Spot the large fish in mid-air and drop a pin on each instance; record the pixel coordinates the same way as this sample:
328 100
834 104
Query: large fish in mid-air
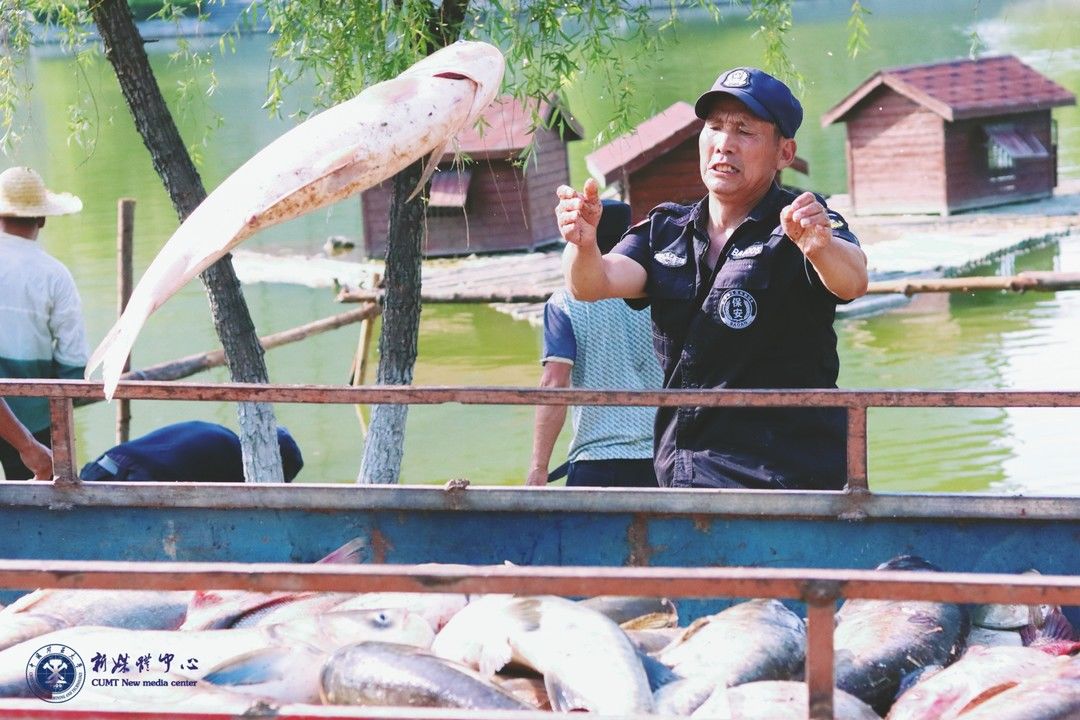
339 152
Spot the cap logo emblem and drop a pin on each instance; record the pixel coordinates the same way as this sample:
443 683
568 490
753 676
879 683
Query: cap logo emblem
737 79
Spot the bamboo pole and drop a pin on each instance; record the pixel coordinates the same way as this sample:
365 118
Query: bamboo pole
187 366
1041 281
358 375
125 231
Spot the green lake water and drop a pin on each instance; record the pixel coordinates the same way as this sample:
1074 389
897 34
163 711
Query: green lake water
984 341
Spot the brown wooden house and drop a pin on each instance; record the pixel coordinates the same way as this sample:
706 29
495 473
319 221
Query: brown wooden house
489 204
950 136
656 162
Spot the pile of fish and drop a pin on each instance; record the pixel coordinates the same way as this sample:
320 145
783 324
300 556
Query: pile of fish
243 652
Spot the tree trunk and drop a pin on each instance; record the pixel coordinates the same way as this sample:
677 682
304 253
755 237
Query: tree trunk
385 442
243 353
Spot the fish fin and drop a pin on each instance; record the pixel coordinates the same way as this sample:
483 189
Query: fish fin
525 612
1055 626
257 667
657 672
650 621
347 554
692 629
429 169
493 657
562 697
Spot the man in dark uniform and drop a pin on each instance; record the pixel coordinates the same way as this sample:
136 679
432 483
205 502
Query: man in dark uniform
192 451
743 287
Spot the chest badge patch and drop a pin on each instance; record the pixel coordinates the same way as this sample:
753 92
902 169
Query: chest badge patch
749 252
738 309
669 259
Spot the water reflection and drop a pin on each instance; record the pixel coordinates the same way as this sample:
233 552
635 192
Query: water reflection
973 341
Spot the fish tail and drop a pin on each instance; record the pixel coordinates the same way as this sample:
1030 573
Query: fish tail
1056 627
347 554
113 351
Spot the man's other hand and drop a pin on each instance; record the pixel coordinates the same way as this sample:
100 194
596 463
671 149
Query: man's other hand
537 477
578 213
807 224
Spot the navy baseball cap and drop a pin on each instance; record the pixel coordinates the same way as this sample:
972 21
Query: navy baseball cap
767 97
614 220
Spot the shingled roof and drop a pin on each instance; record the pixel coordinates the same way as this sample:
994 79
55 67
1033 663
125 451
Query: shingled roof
964 89
654 137
507 128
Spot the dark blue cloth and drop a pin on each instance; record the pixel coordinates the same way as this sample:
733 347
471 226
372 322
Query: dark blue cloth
559 339
611 473
761 319
193 451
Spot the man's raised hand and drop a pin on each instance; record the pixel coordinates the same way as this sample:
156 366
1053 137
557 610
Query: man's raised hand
578 213
807 224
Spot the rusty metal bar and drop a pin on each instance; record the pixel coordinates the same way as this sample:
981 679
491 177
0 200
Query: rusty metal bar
63 441
125 231
673 582
434 395
11 709
856 449
820 601
701 506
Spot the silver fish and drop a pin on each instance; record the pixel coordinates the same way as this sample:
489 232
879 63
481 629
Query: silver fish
777 700
388 675
558 638
215 650
1051 696
332 155
44 611
754 640
218 609
878 642
945 695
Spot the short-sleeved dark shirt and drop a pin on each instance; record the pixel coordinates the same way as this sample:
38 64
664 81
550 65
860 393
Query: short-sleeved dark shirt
761 319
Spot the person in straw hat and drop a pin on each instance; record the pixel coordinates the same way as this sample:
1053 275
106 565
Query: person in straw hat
40 310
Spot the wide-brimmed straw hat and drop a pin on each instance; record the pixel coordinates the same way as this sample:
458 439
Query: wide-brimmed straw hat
23 194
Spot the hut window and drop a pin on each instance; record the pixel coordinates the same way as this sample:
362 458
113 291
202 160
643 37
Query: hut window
1006 143
449 191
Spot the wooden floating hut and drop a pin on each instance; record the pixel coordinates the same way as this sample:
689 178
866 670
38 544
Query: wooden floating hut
950 136
492 203
656 162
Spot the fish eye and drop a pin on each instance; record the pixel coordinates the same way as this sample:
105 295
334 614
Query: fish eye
381 619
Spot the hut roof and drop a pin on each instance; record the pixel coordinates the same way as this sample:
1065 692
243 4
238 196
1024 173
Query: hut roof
654 137
963 89
507 127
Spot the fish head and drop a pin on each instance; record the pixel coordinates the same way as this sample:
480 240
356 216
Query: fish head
391 625
479 62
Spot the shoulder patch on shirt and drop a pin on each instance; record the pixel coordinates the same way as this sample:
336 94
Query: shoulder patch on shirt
669 259
749 252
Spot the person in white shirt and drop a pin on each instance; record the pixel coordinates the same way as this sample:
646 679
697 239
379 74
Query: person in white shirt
40 310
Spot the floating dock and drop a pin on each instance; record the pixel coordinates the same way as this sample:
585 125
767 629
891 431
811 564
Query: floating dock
897 246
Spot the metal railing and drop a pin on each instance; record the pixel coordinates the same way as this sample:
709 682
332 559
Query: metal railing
819 589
